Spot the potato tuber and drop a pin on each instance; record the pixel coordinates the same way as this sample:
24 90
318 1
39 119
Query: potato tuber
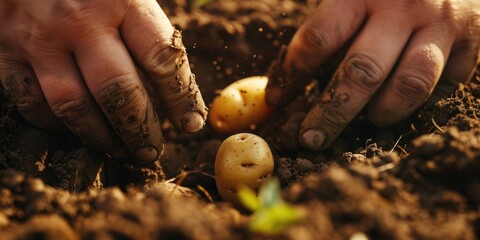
243 159
241 106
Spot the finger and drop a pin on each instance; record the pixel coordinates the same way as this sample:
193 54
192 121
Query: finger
366 65
460 67
112 79
326 30
461 61
21 85
70 101
415 77
158 49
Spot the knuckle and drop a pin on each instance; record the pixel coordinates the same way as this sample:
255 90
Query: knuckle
413 87
363 72
412 4
417 82
334 120
64 8
36 43
120 94
71 12
315 39
129 111
5 54
158 60
71 110
126 106
10 67
20 88
36 111
30 107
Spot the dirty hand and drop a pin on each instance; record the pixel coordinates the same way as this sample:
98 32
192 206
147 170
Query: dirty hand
74 63
399 51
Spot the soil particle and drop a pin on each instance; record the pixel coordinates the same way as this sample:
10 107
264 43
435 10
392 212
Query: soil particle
289 170
110 213
348 199
45 227
177 41
454 167
119 173
463 105
11 179
428 145
74 171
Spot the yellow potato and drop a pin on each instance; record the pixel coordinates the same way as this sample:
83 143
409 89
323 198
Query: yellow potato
241 106
243 159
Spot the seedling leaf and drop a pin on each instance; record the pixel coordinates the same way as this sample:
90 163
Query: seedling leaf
271 214
275 219
248 198
270 194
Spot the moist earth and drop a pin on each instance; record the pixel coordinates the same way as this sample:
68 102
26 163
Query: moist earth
416 180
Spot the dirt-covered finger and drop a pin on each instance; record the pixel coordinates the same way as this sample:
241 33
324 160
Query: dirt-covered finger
116 87
323 34
415 76
21 85
359 76
70 101
159 51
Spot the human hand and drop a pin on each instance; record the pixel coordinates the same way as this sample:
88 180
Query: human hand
400 50
74 63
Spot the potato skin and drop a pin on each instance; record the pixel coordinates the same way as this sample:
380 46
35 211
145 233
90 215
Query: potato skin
241 106
243 159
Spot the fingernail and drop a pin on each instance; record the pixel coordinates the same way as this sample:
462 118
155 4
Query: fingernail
146 154
313 139
274 95
192 122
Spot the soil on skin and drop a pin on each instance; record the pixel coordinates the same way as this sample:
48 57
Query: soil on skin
417 180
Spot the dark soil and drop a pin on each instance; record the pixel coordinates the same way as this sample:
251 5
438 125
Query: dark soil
417 180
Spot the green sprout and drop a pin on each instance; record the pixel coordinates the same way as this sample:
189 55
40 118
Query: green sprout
271 215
